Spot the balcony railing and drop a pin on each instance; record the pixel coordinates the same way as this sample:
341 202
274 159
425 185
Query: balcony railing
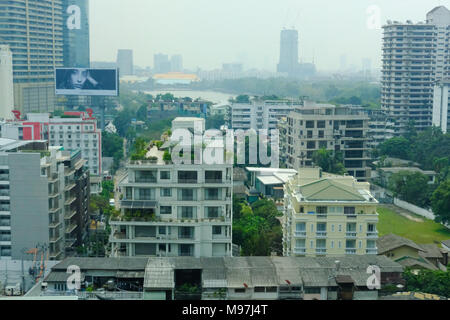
350 251
351 234
5 208
300 234
372 251
214 180
186 236
321 250
188 181
4 177
321 234
299 250
372 235
4 193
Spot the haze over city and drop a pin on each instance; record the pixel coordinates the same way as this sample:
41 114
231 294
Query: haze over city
209 33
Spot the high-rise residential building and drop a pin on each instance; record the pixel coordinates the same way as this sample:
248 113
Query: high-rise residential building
125 62
441 106
176 63
415 57
161 63
76 33
328 215
260 114
44 199
169 209
6 83
311 127
34 31
288 52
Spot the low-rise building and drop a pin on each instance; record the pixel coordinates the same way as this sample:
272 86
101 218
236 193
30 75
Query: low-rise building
229 278
328 215
410 254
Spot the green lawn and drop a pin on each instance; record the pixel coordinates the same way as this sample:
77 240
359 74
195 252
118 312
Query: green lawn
420 232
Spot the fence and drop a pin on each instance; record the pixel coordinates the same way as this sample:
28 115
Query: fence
415 209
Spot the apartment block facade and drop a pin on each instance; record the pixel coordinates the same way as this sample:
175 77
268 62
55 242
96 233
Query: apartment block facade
415 57
312 127
44 199
76 130
174 210
260 114
328 215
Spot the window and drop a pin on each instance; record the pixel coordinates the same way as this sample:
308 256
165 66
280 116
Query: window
349 210
216 230
322 210
162 230
165 210
212 212
166 192
239 290
312 290
165 175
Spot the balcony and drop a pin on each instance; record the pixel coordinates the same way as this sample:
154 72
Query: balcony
4 193
351 235
300 234
321 251
70 215
372 234
54 239
213 180
188 181
70 201
322 216
350 251
299 250
70 228
351 216
4 177
372 251
321 234
5 208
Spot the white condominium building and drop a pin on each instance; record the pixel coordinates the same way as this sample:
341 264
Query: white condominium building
415 57
174 210
260 114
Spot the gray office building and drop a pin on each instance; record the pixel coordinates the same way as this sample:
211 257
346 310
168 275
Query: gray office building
288 52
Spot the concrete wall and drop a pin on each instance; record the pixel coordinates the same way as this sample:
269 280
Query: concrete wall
415 209
29 203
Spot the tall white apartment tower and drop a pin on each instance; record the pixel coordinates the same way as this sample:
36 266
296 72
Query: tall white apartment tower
415 57
6 83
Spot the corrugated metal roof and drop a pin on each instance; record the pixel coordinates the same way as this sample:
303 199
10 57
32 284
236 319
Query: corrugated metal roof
159 274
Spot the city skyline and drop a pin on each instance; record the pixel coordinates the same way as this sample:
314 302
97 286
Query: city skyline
206 43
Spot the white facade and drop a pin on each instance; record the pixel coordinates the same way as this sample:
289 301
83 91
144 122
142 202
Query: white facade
6 83
259 114
415 56
441 116
75 133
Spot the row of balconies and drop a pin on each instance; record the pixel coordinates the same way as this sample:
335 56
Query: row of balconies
348 234
323 251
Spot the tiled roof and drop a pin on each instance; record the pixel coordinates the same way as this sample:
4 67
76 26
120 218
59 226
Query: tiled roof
327 189
392 241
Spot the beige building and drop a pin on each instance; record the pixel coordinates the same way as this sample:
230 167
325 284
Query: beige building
312 127
328 215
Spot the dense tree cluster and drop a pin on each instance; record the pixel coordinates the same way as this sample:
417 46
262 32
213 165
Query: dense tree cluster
431 149
428 281
256 227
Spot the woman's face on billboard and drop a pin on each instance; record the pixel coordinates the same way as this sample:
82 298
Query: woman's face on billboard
78 78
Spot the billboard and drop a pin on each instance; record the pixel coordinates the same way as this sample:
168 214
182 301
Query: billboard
86 82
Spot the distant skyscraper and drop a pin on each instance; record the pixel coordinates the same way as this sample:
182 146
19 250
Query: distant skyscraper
36 41
176 63
76 33
343 62
125 62
415 57
161 63
288 52
6 83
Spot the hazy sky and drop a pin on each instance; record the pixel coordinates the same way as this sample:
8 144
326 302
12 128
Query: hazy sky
211 32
